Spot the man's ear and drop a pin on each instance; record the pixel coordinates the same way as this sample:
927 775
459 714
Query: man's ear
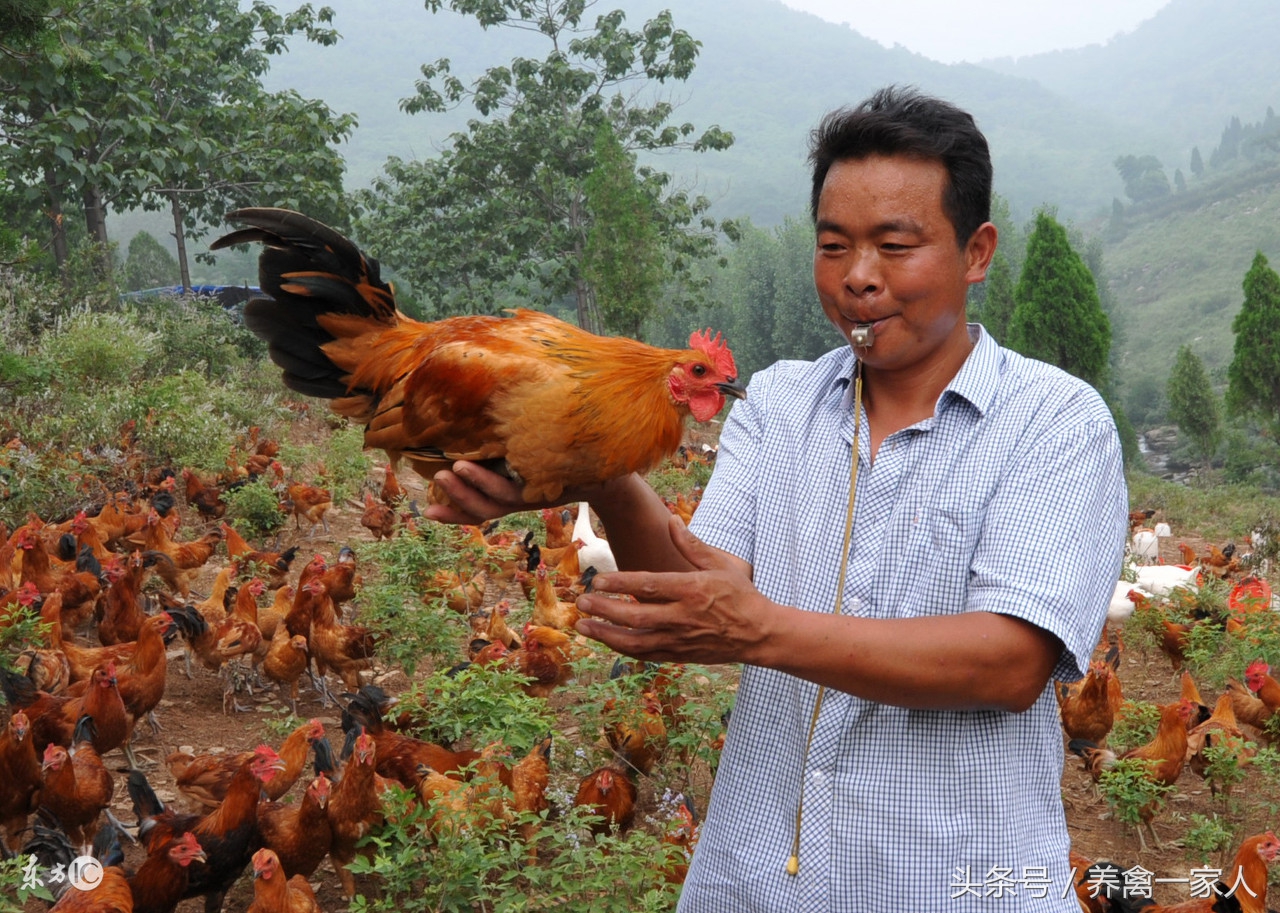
979 250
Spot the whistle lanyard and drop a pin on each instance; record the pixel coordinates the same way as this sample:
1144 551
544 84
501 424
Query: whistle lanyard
793 862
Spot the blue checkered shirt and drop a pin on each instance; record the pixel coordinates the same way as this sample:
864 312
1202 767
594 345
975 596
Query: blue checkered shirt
1011 499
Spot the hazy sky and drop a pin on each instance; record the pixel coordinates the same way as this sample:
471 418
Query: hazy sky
972 30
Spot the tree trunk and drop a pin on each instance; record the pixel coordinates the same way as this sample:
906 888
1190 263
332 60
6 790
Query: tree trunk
95 217
58 228
180 239
588 312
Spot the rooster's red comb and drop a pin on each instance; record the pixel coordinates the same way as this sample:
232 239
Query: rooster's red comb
716 349
1258 667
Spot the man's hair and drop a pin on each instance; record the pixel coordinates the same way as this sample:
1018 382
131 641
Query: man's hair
904 122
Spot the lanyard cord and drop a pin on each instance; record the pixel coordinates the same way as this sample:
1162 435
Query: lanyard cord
793 862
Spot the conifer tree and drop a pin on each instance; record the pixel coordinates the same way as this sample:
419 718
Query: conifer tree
1193 404
1254 374
1057 317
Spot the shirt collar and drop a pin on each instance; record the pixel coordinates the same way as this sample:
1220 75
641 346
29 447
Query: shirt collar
975 382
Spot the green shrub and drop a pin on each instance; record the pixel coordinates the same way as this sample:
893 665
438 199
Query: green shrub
96 348
254 505
1207 836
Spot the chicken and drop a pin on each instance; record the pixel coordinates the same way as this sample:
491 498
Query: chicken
1167 751
122 613
299 834
529 778
637 734
110 895
274 564
354 809
87 535
275 892
1251 714
161 881
117 519
378 518
391 492
308 501
215 646
1221 731
548 609
517 391
1242 887
205 779
341 578
544 658
228 834
479 803
461 593
22 777
54 717
1088 711
556 523
609 793
1258 678
79 589
399 755
346 649
185 558
141 675
204 496
682 837
286 660
77 786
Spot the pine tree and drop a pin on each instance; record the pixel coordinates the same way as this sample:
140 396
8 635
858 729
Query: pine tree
1057 317
1193 404
1197 163
1254 374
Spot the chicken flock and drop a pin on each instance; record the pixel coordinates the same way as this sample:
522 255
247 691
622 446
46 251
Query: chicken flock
1212 606
155 583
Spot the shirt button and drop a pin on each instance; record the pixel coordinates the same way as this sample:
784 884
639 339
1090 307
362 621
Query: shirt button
818 778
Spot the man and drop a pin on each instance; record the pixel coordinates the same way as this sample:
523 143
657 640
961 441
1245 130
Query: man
971 550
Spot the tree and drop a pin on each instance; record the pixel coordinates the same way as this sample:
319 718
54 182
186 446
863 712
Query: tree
622 256
1179 182
1193 404
1197 163
1253 377
148 265
1143 176
167 101
997 308
1057 317
504 210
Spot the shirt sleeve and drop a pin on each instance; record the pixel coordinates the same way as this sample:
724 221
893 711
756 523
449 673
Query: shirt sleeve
1053 539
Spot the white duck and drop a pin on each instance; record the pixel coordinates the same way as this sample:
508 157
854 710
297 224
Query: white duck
595 551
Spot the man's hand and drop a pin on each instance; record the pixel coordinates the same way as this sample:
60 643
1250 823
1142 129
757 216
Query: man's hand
478 495
713 614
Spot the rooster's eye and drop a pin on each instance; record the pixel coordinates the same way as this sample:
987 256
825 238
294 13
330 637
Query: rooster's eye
699 370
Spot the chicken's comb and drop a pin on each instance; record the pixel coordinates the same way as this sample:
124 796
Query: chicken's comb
1257 667
716 349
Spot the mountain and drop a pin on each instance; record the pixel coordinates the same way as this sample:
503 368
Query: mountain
766 72
1183 73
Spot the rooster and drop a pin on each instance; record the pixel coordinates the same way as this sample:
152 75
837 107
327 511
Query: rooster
551 404
1167 752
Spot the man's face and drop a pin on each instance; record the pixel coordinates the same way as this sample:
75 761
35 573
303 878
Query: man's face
887 255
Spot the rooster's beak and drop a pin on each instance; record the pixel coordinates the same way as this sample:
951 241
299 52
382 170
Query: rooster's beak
732 388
